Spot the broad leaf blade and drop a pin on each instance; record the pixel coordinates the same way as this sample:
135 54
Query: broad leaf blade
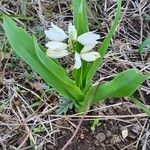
60 80
81 24
104 46
80 16
23 45
51 65
124 84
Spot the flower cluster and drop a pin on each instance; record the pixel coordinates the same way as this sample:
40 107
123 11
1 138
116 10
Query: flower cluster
58 49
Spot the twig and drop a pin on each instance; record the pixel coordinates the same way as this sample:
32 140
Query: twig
76 131
141 133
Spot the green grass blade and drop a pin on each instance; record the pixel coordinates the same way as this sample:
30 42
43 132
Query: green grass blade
144 44
105 44
140 104
124 84
22 17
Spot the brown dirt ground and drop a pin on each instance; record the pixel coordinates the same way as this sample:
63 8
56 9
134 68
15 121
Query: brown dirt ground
28 122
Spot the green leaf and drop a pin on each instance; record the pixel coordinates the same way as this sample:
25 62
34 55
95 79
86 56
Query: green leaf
64 106
51 65
144 44
23 17
140 104
38 129
3 105
95 124
104 46
124 84
58 76
23 45
81 24
36 104
80 16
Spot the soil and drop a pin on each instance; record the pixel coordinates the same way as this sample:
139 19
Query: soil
27 122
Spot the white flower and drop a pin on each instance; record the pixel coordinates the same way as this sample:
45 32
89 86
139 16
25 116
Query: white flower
57 49
88 39
77 64
72 32
60 54
56 45
55 33
86 55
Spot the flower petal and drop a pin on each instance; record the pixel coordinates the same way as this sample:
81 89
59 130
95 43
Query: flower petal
72 32
88 38
86 49
77 64
90 56
57 54
56 46
55 33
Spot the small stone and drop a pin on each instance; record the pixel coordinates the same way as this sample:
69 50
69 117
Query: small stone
100 137
108 134
97 143
124 133
63 132
50 147
82 136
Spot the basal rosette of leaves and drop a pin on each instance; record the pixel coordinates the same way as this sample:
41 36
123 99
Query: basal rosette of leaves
80 42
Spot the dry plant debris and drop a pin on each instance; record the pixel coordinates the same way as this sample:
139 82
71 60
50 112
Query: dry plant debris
28 118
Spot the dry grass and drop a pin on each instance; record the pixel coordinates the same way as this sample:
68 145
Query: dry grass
28 118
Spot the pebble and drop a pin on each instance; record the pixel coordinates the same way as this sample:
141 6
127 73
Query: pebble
100 137
108 134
